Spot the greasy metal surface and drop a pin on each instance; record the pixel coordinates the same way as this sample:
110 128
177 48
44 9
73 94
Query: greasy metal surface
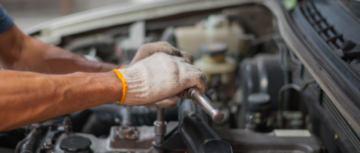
126 132
115 144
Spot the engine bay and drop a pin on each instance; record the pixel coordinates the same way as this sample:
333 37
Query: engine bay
254 77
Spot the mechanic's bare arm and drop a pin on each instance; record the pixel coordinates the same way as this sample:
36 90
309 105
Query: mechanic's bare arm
27 97
22 52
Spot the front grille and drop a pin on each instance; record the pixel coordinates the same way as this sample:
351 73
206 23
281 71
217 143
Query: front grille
330 107
350 133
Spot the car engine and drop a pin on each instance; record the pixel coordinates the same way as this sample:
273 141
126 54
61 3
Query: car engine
273 72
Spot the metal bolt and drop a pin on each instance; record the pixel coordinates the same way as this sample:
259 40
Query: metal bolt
48 145
117 120
160 128
67 125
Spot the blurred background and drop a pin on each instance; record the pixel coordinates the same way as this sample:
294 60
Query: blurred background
28 13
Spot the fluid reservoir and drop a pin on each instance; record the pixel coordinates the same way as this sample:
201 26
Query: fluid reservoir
214 62
217 28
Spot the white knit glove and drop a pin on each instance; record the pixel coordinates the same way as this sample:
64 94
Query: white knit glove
148 49
159 79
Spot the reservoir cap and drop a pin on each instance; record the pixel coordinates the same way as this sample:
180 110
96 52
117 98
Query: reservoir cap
75 144
213 48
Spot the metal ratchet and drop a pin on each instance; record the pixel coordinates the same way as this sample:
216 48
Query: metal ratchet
205 103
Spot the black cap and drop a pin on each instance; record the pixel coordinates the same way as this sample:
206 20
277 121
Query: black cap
75 144
259 102
213 48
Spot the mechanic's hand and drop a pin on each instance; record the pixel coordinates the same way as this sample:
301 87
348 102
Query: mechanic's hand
147 50
159 79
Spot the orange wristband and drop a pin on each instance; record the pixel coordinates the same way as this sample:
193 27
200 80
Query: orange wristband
123 81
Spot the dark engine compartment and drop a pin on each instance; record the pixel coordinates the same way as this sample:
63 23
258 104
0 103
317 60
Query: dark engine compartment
271 97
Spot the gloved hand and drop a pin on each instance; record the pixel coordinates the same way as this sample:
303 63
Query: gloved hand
148 49
159 78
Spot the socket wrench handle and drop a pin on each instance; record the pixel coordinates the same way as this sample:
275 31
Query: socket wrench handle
205 103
